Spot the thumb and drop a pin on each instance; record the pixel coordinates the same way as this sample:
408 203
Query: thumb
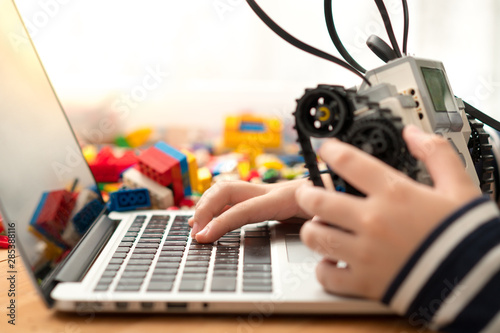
441 159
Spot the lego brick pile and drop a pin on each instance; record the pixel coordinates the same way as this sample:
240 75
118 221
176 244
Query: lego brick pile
137 173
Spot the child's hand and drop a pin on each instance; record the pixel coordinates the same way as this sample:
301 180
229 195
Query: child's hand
229 205
376 235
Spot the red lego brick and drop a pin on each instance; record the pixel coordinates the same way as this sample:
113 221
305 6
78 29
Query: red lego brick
158 166
107 167
55 213
163 169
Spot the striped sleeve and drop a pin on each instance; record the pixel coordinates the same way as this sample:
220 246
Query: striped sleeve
452 282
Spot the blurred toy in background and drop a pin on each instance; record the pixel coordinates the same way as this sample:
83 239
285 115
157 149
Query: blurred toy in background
204 179
4 240
129 199
182 159
135 138
2 228
161 197
52 215
163 169
175 178
251 134
87 208
108 164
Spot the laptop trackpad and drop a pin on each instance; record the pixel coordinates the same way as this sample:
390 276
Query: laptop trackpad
297 251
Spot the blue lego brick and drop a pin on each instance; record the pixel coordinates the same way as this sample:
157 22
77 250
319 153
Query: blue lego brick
162 146
84 218
39 208
186 183
129 199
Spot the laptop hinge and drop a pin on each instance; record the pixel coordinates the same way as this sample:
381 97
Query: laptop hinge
87 250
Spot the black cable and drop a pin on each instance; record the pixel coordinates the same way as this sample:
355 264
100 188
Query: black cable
484 118
336 39
299 44
388 26
406 26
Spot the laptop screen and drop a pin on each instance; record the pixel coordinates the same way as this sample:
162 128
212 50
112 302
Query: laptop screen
47 192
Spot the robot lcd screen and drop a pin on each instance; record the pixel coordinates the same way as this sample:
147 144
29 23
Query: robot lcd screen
440 93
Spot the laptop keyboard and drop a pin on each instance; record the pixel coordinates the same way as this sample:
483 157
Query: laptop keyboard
147 262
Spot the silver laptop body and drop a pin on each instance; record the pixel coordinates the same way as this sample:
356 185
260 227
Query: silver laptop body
81 257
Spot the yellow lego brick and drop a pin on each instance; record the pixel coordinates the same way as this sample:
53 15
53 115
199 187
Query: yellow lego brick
193 168
204 179
139 137
90 153
248 129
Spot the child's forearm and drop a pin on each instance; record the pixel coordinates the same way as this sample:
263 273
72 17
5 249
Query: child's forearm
451 282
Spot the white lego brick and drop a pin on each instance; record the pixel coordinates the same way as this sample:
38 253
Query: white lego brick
161 196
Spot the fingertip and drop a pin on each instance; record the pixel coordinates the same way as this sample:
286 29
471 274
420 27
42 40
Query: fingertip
195 229
328 146
203 235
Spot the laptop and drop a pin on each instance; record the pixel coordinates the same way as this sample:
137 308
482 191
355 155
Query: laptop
82 257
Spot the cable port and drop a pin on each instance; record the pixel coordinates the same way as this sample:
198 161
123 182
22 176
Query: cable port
177 306
147 305
121 305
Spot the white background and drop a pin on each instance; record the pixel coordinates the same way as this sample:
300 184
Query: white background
221 59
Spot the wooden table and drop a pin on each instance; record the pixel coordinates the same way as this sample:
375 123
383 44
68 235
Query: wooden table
33 316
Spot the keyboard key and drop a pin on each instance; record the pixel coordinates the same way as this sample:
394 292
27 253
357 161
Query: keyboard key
140 262
257 288
225 272
165 271
226 267
200 252
117 261
160 286
119 255
252 282
144 251
109 273
146 245
172 248
198 258
256 268
223 283
257 251
197 263
174 243
113 267
171 253
229 244
131 280
123 249
162 278
169 259
106 280
142 256
128 288
257 275
135 274
167 265
149 241
226 260
176 238
137 268
194 276
101 287
191 285
192 269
